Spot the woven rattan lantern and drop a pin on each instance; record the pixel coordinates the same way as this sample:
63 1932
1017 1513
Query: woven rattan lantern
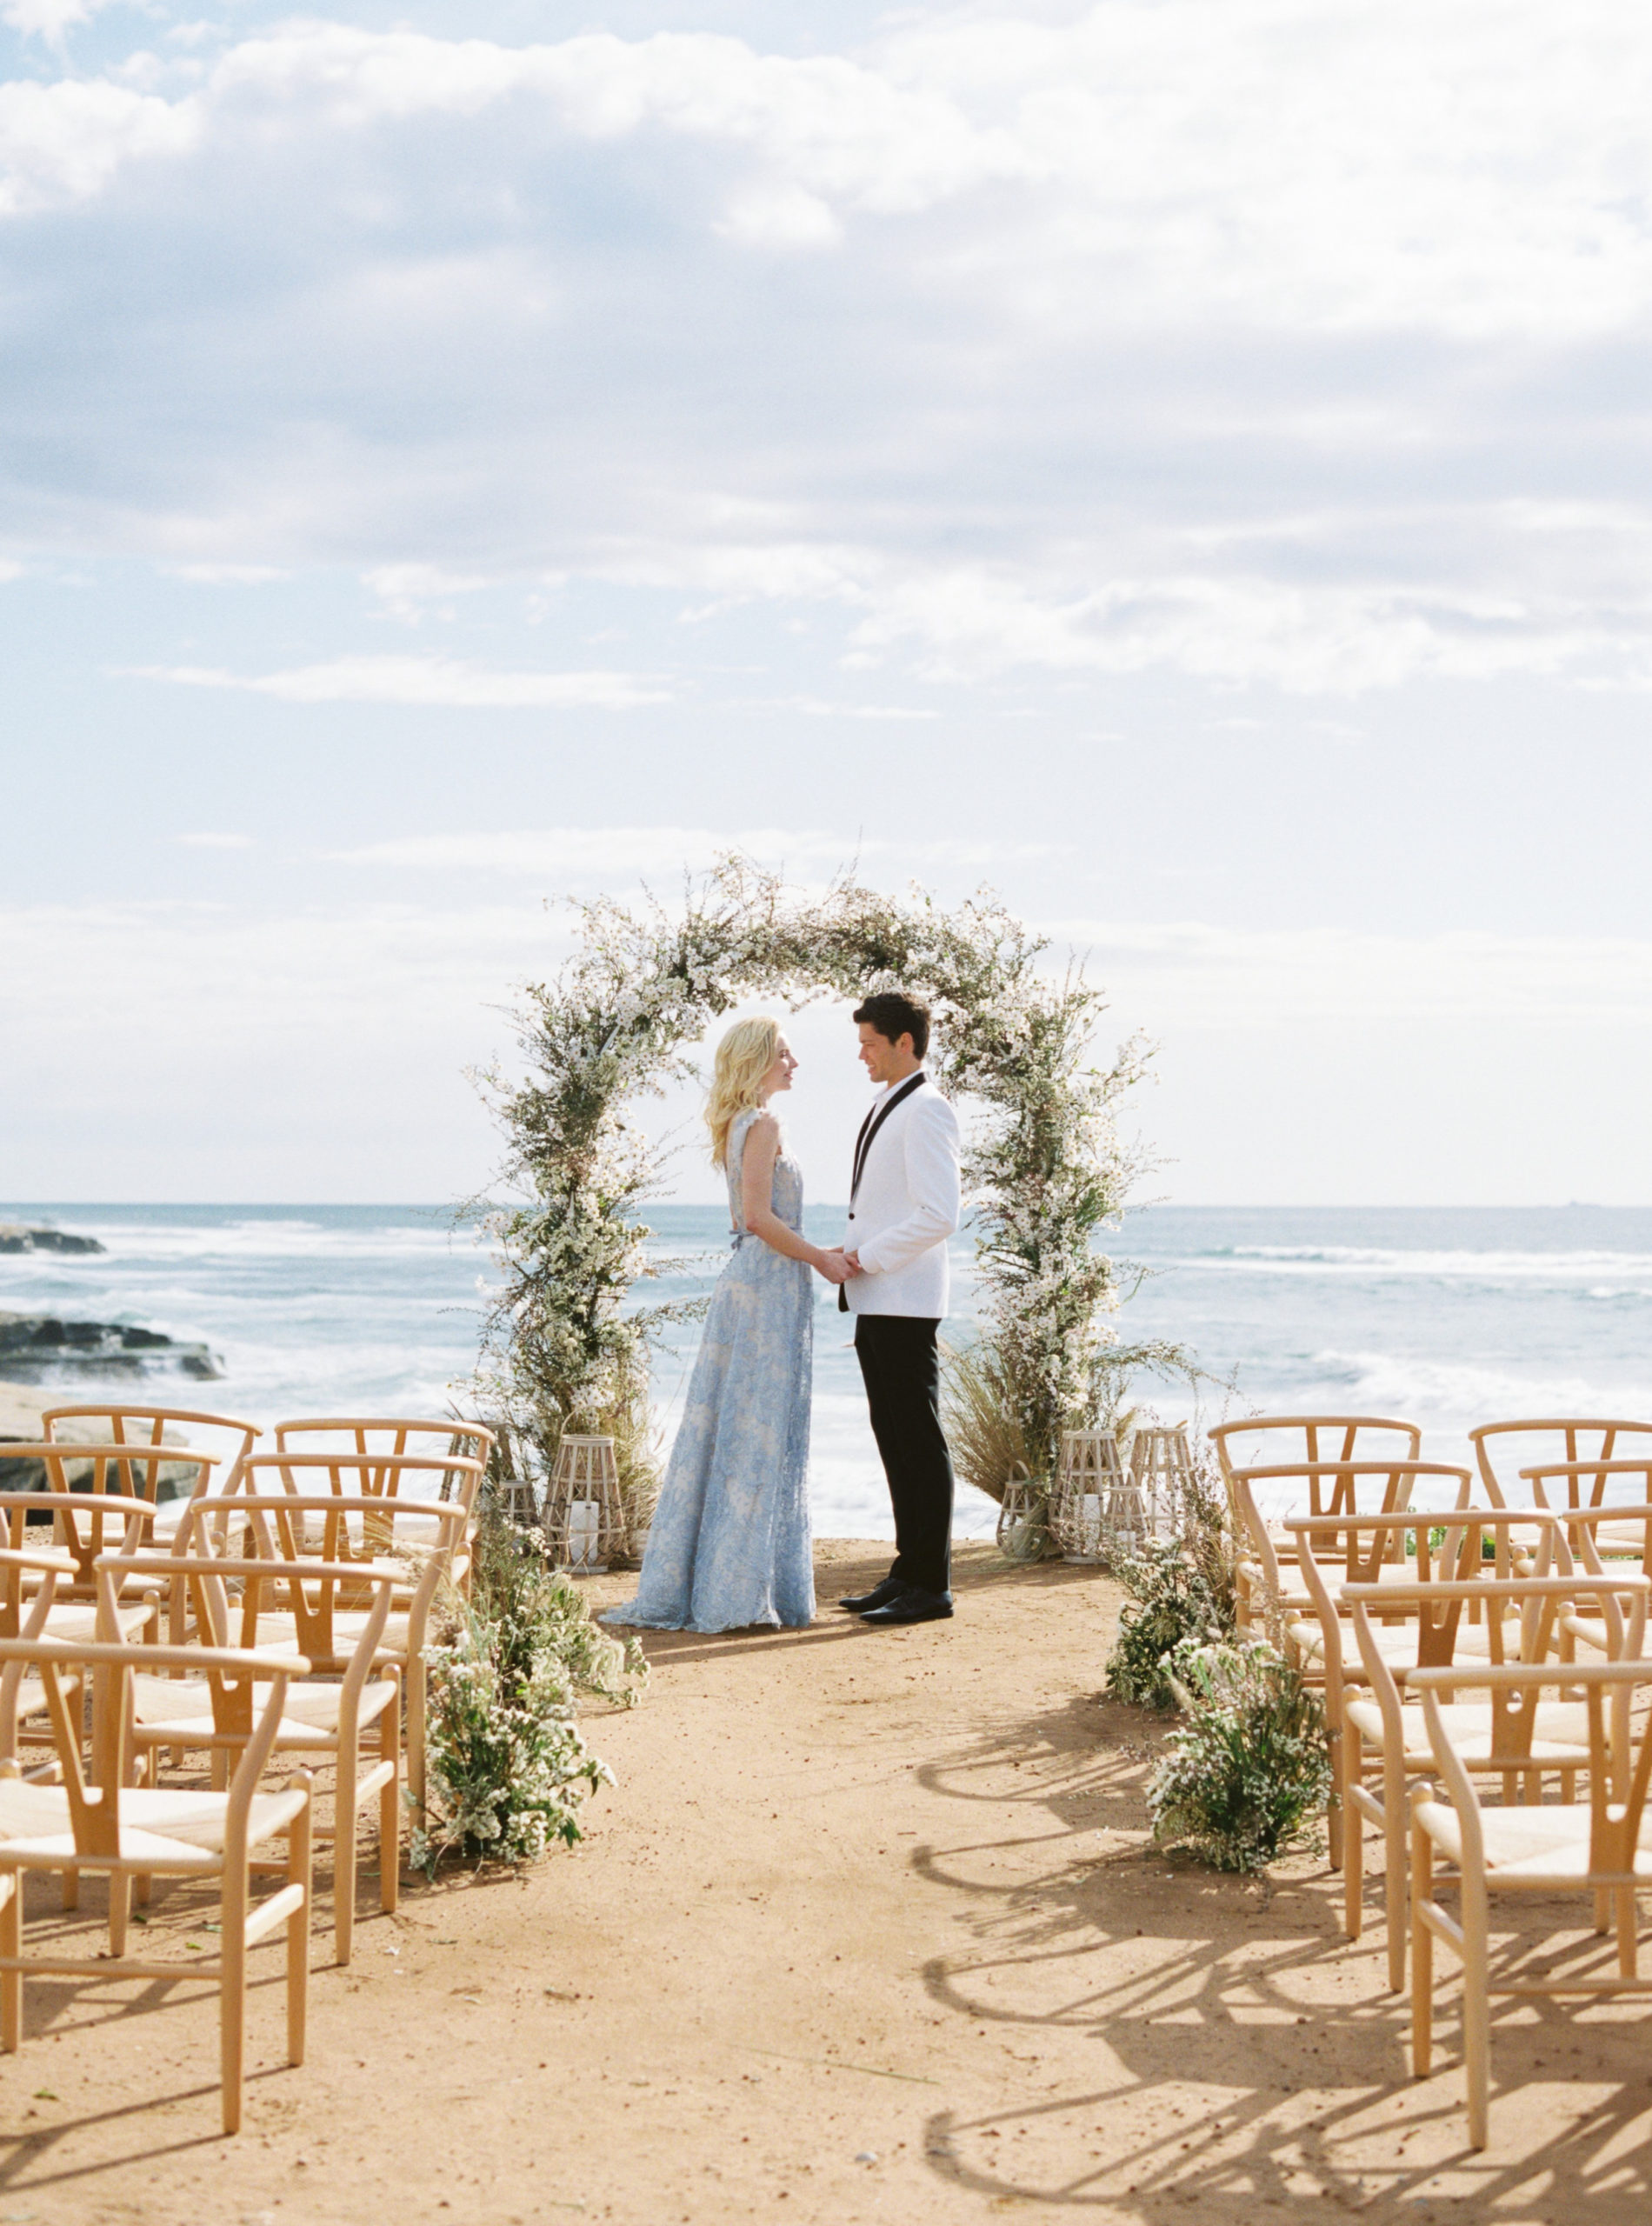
1161 1471
1087 1483
1023 1518
584 1514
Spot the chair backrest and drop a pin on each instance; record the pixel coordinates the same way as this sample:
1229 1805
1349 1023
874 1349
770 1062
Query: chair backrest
309 1591
1620 1750
1500 1449
111 1465
462 1439
1445 1548
84 1524
1263 1439
29 1581
431 1479
1589 1483
367 1535
1332 1488
94 1792
181 1429
1624 1533
1534 1604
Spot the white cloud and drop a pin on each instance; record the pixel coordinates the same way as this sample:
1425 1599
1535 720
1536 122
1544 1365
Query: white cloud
617 856
584 854
208 841
1195 975
411 592
1200 339
48 19
238 576
1479 168
67 142
1307 636
432 681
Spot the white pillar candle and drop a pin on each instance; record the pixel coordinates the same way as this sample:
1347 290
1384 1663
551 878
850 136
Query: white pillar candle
583 1529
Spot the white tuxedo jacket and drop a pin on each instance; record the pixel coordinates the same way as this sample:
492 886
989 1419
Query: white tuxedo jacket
907 1207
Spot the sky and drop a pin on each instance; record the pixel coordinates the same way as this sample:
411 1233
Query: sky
1185 465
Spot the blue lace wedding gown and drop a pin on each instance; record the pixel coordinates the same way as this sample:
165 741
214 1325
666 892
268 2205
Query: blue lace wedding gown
729 1545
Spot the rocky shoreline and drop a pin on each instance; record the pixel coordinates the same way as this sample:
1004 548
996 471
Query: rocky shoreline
17 1236
35 1346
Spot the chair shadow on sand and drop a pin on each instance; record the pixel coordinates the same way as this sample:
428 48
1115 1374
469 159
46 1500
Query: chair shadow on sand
1218 2002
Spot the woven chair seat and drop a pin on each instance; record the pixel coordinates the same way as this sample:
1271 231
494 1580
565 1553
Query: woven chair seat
183 1708
161 1829
1560 1735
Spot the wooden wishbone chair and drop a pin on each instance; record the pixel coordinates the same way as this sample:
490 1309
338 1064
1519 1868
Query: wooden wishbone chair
1325 1489
1609 1540
227 1444
368 1533
1332 1550
1501 1448
1595 1847
83 1526
1313 1439
1612 1488
83 1478
1385 1736
326 1721
426 1482
461 1439
96 1821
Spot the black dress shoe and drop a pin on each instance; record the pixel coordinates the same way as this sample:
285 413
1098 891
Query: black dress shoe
912 1608
893 1588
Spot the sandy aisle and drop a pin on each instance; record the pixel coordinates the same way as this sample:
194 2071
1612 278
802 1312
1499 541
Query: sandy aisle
867 1931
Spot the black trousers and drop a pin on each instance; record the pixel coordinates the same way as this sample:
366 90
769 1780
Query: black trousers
901 1371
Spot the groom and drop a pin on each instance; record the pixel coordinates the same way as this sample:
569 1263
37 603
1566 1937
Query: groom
903 1205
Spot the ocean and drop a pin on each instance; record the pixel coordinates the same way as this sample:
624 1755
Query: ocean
1447 1317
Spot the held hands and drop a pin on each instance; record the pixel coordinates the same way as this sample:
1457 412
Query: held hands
837 1266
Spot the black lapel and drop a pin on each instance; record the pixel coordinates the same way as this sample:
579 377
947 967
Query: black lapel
873 1122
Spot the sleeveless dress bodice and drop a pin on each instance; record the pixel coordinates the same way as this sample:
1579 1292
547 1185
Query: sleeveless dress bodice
729 1545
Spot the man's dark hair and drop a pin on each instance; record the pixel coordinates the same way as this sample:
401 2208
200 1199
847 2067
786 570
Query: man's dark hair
895 1015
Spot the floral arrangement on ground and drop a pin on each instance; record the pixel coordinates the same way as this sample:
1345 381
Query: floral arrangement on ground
507 1769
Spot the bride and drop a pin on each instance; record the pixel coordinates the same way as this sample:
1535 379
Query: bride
730 1544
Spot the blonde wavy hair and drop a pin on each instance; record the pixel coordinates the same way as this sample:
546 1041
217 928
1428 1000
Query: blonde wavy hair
744 1056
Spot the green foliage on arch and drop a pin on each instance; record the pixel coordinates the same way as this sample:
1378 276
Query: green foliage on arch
1045 1170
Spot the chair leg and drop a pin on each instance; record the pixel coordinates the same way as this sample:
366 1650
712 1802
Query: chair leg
71 1887
1334 1814
1476 2006
1394 1856
1628 1931
389 1809
415 1733
232 1992
120 1906
11 1944
1353 1836
344 1859
299 1872
1421 1956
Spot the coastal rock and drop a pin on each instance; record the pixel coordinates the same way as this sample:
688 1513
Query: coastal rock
17 1236
35 1346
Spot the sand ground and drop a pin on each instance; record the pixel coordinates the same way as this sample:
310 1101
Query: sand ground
868 1930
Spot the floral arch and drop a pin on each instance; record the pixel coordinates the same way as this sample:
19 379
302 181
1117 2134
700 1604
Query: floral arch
566 1346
